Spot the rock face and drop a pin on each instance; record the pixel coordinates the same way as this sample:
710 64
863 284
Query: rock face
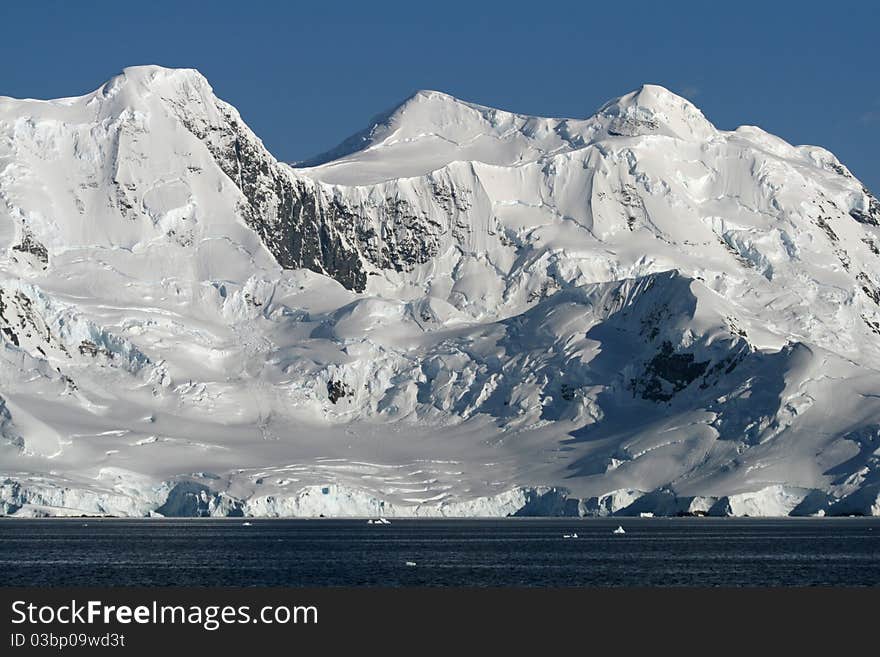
303 224
299 226
458 311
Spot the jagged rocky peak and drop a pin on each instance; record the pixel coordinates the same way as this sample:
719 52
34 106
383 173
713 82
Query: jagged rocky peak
653 109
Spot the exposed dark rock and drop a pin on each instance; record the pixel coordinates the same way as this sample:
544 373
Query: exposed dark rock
547 289
449 198
871 324
734 327
633 206
668 373
822 222
13 338
863 217
839 170
30 244
736 254
868 287
303 226
20 321
723 367
89 348
625 126
336 390
653 320
871 245
871 216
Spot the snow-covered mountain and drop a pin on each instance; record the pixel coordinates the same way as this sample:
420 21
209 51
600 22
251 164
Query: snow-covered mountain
458 311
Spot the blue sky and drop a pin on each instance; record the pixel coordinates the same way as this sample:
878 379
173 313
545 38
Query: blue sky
306 75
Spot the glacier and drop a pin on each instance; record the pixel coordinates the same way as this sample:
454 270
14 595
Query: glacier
460 311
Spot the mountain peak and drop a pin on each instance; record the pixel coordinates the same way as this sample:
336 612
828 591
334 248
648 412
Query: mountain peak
427 95
450 129
653 109
151 78
432 100
423 112
153 72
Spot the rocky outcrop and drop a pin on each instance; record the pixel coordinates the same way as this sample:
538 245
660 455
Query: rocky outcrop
32 246
303 223
667 373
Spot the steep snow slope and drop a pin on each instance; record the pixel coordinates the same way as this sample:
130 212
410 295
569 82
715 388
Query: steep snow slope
458 311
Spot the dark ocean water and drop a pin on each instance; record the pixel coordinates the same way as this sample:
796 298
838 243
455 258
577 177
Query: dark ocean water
512 552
